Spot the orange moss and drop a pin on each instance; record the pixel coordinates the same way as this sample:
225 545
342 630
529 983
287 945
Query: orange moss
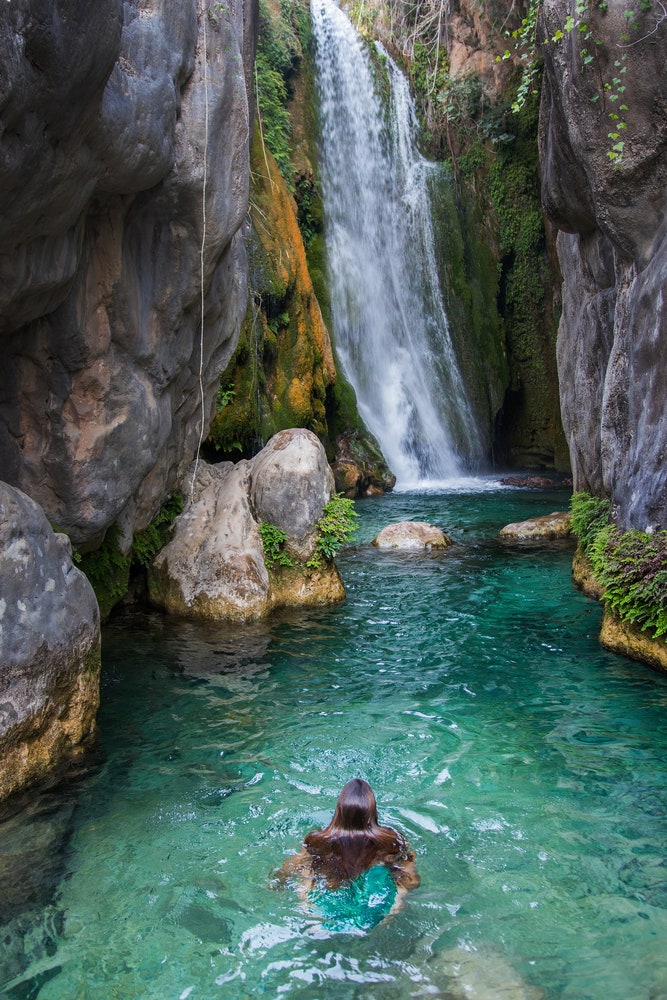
297 360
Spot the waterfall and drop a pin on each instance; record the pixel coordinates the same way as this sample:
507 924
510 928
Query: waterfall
389 320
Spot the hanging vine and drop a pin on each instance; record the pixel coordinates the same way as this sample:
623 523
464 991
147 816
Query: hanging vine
528 45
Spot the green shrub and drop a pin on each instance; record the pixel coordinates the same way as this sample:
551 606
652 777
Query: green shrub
589 516
336 527
631 566
108 571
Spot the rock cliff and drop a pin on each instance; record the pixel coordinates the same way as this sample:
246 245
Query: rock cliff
123 187
124 170
612 247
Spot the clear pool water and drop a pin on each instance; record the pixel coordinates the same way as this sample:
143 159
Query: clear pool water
527 767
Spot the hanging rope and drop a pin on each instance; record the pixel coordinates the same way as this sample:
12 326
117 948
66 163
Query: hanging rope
201 252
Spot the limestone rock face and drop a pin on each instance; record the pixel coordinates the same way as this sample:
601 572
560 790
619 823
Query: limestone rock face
214 567
49 646
612 342
412 536
629 640
125 130
284 333
549 526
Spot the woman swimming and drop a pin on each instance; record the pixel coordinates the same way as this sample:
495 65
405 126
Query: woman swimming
354 871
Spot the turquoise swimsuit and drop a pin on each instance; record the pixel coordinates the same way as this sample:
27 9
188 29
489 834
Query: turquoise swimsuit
358 905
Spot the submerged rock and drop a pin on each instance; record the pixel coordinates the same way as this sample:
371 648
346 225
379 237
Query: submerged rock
412 536
214 567
481 974
49 646
549 526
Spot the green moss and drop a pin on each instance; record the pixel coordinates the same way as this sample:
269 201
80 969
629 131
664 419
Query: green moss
147 543
108 571
469 281
283 32
630 566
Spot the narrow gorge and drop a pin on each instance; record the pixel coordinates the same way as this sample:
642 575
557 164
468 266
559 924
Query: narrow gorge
259 261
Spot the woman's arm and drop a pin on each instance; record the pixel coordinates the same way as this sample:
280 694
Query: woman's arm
296 866
405 874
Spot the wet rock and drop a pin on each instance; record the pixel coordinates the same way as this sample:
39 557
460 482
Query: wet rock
481 974
290 484
359 468
549 526
535 482
214 567
412 536
49 646
582 576
629 640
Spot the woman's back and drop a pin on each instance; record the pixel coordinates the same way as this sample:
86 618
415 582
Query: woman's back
357 905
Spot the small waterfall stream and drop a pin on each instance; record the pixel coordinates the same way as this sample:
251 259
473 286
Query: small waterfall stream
390 325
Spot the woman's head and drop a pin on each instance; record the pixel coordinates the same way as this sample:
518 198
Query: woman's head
356 808
352 841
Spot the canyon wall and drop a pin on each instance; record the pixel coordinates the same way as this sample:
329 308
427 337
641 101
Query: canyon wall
124 171
123 189
611 211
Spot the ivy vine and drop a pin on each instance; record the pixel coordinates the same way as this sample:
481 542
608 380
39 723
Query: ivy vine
528 46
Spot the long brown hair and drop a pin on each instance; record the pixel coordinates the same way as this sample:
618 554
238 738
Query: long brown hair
353 841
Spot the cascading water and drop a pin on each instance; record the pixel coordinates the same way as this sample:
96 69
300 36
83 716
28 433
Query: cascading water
389 318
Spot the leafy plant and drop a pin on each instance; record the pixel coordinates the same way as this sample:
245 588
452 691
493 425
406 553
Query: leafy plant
223 398
108 571
527 45
631 566
589 516
335 528
147 543
273 540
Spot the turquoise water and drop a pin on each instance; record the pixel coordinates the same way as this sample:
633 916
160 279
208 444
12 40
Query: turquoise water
526 766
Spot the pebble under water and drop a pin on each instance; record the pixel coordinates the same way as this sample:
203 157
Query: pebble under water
525 765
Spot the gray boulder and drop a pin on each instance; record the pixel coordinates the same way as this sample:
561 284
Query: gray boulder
214 566
291 482
412 536
49 646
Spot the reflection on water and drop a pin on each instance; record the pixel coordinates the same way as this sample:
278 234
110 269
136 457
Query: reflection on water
527 766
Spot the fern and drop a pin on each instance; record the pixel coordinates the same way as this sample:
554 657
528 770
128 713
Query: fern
631 566
336 527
